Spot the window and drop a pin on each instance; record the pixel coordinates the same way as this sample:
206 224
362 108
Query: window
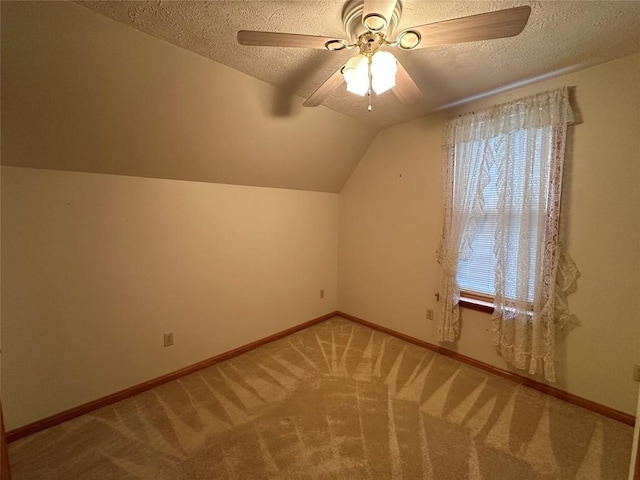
503 181
476 271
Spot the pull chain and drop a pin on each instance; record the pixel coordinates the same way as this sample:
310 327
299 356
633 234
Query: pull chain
370 80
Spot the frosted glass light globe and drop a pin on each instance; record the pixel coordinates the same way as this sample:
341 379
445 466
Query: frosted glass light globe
383 72
356 74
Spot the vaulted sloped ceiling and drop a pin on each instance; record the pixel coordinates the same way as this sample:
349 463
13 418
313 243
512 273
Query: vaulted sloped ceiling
81 92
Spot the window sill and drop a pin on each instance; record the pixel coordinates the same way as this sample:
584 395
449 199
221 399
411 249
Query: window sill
477 304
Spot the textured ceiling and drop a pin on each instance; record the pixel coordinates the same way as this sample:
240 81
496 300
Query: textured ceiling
560 36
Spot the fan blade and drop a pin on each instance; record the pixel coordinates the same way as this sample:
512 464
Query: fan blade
406 89
372 12
499 24
324 90
274 39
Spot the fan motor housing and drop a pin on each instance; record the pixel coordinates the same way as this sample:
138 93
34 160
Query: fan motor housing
352 19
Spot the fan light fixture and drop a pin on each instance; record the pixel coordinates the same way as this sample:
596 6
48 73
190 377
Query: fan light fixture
373 70
376 71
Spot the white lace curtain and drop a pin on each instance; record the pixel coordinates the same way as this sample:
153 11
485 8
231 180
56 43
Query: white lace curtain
523 141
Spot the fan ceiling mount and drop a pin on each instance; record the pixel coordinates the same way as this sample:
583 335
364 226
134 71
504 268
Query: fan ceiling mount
369 25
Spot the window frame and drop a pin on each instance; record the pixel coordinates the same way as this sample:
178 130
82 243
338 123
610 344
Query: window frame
474 301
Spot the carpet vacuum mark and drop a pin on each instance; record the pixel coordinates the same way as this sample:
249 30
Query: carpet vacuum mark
335 401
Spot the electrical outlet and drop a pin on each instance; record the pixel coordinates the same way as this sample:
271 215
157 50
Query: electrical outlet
429 314
168 339
636 373
322 293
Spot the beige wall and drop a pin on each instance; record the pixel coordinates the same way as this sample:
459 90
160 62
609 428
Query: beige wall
391 220
96 267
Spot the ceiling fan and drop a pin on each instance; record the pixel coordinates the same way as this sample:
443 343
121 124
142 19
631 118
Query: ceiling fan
370 25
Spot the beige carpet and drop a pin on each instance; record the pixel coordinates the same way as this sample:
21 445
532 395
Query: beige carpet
335 401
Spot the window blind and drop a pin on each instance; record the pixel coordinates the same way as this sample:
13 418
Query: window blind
476 273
